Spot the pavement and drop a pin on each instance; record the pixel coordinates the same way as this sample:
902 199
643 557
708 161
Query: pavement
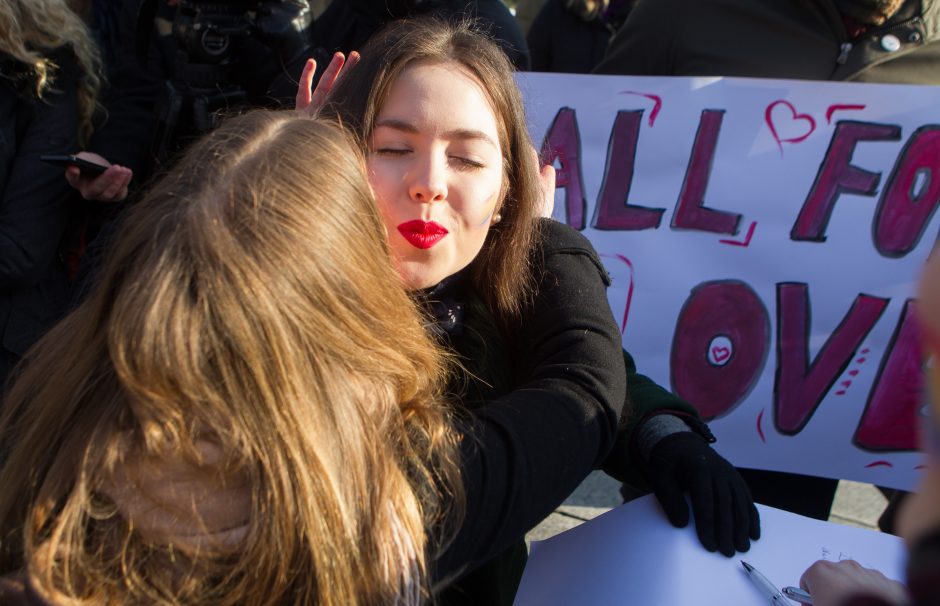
855 504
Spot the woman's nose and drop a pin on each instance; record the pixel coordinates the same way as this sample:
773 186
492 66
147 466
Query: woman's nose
429 181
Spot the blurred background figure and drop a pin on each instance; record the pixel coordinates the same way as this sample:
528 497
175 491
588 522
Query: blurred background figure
526 10
48 90
347 24
571 36
859 40
169 85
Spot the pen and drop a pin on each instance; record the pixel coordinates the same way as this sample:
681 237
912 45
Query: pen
765 586
800 595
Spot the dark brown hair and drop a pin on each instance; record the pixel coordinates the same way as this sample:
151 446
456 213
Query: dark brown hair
501 272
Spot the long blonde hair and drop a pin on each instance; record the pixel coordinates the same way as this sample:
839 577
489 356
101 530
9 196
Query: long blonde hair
248 299
31 29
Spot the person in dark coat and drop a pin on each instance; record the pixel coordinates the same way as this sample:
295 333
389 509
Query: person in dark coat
346 26
49 75
571 36
890 41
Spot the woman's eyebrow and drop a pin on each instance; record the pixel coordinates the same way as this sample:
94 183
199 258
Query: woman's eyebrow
454 134
398 125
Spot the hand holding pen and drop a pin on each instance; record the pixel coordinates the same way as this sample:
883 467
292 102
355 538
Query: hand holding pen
833 583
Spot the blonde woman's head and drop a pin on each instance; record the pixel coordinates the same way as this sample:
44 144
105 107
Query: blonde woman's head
248 303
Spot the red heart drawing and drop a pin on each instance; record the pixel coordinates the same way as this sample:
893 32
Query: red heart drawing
720 353
793 117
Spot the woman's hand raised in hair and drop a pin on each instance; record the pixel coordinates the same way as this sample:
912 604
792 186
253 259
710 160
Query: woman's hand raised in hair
547 183
310 99
200 507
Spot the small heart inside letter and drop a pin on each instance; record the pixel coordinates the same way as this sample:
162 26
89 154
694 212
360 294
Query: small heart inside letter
720 353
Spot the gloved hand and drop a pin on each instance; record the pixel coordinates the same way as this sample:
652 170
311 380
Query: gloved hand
725 516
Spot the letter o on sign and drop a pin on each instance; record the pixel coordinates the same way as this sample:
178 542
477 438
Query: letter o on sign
720 346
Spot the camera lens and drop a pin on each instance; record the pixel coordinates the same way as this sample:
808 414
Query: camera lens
214 44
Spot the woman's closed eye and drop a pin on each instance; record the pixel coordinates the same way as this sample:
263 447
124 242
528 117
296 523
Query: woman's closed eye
465 163
392 151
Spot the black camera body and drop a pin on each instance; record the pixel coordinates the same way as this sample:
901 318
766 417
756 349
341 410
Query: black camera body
204 31
227 53
211 33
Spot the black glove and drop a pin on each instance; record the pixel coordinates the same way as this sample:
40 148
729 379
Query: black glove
725 516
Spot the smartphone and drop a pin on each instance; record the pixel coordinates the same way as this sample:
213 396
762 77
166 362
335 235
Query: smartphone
88 168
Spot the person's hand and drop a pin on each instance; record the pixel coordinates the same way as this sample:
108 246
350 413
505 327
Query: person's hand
172 501
547 185
725 516
833 583
109 186
310 100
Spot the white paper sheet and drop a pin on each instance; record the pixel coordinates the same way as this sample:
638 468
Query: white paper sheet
633 556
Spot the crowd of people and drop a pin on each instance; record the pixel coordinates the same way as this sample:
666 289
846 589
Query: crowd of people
325 346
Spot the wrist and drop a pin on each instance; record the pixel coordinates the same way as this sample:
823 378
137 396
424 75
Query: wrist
655 429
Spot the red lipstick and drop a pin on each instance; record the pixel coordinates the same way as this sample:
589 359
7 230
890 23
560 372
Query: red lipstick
422 234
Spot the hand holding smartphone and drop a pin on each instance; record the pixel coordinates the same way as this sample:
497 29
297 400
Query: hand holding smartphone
87 168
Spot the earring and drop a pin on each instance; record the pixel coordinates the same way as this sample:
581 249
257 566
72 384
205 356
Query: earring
497 218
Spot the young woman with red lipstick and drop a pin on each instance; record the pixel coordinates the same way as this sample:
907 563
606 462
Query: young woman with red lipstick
522 301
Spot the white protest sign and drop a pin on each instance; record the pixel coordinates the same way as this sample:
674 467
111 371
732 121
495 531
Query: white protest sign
764 237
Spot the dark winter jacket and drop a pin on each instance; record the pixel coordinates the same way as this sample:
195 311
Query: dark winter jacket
346 25
551 395
34 204
564 42
797 39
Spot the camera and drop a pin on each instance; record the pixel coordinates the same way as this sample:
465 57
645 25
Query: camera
204 31
211 32
227 53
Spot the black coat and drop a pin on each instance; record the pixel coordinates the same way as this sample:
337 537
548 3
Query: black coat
554 392
34 206
563 42
804 40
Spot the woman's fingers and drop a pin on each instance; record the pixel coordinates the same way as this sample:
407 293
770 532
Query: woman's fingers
304 95
547 183
310 99
338 66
